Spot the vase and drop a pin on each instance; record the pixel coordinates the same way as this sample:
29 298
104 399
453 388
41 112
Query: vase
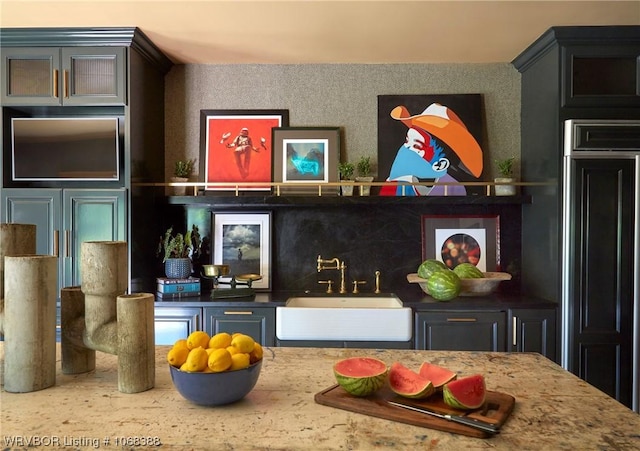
179 190
365 190
346 188
177 268
505 190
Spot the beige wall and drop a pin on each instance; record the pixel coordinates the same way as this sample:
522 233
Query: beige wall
343 95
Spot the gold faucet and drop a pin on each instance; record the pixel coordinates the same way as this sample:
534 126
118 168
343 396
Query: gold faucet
322 263
334 263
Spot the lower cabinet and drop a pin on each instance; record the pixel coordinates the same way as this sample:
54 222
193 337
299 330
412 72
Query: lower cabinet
533 330
346 344
174 323
257 322
460 330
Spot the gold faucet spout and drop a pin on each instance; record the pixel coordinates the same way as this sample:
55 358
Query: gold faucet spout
324 264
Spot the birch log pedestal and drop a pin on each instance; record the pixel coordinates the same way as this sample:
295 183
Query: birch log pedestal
30 331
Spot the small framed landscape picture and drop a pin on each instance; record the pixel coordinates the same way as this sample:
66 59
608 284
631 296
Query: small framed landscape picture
306 157
462 239
243 241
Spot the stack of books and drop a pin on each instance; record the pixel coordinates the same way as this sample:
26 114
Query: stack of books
168 289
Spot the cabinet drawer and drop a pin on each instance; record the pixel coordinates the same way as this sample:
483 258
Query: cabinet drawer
460 330
175 323
257 322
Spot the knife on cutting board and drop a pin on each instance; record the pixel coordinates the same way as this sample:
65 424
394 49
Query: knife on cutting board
478 424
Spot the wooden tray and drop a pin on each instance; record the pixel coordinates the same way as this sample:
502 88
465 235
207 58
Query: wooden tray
496 410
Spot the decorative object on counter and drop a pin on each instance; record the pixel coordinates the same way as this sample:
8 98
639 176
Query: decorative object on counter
306 158
15 239
181 173
469 287
430 137
457 239
235 287
31 286
205 372
346 170
167 288
236 147
243 241
111 321
505 169
176 250
363 169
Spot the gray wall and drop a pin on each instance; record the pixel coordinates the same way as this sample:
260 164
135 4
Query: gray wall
343 95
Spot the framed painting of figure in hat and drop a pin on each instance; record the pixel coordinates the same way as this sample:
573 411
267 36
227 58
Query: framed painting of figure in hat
429 145
236 151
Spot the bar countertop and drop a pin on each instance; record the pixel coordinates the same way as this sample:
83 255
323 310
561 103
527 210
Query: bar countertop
554 409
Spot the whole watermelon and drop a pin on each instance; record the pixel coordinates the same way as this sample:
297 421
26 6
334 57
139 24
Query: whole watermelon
428 267
444 285
361 376
468 271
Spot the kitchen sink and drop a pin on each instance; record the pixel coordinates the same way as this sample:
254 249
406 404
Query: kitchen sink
344 318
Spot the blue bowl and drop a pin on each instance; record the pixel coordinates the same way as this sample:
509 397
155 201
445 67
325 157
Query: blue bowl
216 389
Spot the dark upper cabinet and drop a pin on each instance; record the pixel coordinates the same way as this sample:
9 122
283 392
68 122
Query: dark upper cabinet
49 76
586 67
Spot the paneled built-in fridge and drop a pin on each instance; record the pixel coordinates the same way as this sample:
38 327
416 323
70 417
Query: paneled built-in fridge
600 258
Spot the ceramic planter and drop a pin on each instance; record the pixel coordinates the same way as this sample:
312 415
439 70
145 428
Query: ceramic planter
177 268
347 188
505 190
365 190
179 190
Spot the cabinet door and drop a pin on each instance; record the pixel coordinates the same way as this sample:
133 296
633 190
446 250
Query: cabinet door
460 331
601 300
67 76
90 215
257 322
175 323
601 76
30 76
533 330
93 75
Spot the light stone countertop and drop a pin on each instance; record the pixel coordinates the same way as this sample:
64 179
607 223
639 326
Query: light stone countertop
554 409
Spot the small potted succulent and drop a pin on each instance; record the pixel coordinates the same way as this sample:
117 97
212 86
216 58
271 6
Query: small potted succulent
363 168
346 175
175 250
181 173
505 169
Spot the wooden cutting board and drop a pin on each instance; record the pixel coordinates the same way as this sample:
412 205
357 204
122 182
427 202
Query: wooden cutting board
496 410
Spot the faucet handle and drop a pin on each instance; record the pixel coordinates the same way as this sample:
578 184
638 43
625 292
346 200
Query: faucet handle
329 283
355 285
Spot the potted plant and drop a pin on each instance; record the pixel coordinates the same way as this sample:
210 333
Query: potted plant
176 251
364 174
505 169
181 173
346 174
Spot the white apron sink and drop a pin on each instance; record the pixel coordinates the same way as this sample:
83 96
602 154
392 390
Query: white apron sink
344 318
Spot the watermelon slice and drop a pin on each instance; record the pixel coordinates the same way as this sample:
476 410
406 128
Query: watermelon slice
361 376
436 374
466 393
408 383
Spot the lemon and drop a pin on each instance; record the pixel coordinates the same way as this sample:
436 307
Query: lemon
232 350
256 354
177 356
244 343
197 359
182 343
220 340
239 361
198 338
219 360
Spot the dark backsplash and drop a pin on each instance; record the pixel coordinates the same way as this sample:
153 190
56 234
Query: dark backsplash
386 237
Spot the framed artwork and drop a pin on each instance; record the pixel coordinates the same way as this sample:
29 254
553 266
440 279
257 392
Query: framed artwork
243 241
306 156
430 138
459 239
236 147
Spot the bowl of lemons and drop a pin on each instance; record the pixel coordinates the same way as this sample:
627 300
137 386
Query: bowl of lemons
216 370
